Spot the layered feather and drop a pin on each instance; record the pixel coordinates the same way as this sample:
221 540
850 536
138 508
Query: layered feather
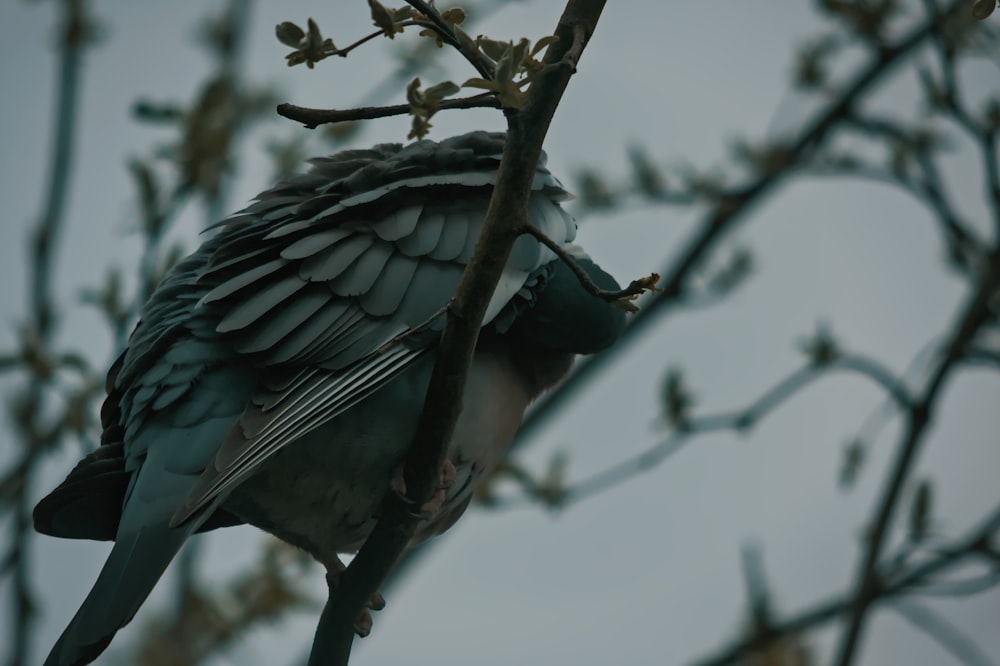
300 306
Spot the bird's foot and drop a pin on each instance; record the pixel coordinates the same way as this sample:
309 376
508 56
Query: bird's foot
363 622
437 500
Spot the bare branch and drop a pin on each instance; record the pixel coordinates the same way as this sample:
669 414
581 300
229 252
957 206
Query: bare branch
448 35
931 187
730 211
312 118
635 288
738 420
984 137
507 211
947 558
31 429
974 315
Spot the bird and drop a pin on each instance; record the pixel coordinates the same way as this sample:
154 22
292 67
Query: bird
277 373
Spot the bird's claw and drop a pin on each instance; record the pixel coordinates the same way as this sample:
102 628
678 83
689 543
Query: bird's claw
436 501
363 620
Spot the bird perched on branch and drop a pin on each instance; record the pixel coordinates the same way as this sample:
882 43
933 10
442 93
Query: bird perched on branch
277 373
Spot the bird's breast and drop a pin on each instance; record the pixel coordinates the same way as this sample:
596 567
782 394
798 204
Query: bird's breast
324 492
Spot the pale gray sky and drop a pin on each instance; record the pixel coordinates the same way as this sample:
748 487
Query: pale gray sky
649 572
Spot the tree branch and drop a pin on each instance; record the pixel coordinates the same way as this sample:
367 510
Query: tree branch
28 410
312 118
974 314
730 211
446 32
984 137
946 559
635 288
740 420
507 211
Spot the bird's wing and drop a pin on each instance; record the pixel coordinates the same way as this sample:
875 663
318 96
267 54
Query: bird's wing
303 304
333 287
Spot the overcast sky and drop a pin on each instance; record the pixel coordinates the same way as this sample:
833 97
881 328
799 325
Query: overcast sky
648 572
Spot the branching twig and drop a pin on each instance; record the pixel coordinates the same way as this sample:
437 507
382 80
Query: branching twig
731 210
635 288
312 118
947 558
930 188
983 137
507 211
974 314
739 420
29 409
446 32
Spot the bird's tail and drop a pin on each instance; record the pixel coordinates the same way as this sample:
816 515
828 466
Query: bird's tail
136 562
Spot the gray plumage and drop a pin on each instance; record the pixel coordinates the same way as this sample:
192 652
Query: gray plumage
276 377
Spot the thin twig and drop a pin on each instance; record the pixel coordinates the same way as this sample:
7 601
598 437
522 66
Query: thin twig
446 32
741 420
974 314
44 243
731 210
635 288
947 558
313 118
956 106
930 189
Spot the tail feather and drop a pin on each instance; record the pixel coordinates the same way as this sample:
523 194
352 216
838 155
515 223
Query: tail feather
135 564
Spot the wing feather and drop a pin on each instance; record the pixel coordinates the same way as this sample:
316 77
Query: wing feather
453 235
284 320
313 243
328 264
259 303
315 284
362 274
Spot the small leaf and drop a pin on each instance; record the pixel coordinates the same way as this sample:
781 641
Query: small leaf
543 43
647 176
493 49
384 19
519 53
413 95
920 511
983 8
289 34
427 32
436 93
739 266
822 348
852 462
454 16
551 489
403 14
594 190
477 82
676 398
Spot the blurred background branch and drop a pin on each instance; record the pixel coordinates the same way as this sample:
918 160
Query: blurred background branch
46 409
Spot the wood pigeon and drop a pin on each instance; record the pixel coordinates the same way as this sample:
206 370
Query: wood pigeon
277 373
